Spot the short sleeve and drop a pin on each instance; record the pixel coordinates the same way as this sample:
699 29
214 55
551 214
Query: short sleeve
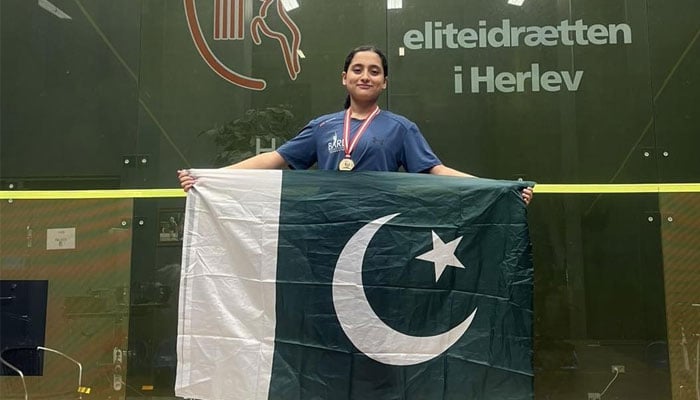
418 156
300 152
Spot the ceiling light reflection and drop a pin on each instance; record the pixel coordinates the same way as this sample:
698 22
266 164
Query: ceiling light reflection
48 6
289 4
394 4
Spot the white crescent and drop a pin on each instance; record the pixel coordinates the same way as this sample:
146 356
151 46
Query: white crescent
361 324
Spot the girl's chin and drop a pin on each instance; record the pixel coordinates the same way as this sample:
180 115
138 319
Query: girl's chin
364 97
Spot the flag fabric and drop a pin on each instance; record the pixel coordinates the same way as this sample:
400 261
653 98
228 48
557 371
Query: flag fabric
364 285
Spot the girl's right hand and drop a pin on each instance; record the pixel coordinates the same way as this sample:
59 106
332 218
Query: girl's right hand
186 180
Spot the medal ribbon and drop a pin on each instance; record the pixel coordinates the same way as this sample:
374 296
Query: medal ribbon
347 144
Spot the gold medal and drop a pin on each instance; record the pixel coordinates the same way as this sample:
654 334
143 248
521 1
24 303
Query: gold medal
346 164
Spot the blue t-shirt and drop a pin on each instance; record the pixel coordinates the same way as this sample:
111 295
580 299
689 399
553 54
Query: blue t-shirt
389 143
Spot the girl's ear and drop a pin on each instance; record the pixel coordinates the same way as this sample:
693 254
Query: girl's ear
343 75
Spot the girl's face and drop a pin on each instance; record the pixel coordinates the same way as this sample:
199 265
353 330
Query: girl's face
365 80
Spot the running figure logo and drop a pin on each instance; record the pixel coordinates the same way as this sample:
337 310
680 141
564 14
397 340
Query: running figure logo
229 25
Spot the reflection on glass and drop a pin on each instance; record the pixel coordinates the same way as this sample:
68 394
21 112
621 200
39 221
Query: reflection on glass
48 6
290 4
269 126
394 4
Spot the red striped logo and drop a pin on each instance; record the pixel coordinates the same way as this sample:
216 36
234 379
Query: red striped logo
229 24
228 19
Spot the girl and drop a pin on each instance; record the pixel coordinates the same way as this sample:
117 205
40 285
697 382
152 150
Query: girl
360 138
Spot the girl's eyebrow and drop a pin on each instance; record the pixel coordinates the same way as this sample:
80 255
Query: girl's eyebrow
368 65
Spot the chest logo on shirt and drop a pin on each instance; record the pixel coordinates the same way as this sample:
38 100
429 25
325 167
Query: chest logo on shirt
335 144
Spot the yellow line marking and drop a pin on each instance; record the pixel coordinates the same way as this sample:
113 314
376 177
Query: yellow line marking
90 194
618 188
169 193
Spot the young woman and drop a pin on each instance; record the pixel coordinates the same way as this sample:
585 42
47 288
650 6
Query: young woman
360 138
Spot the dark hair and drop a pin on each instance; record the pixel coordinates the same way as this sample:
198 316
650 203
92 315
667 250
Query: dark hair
351 55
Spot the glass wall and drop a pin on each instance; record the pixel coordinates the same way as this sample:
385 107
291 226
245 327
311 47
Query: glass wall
99 94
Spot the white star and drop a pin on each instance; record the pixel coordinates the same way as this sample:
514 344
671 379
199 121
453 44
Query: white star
442 255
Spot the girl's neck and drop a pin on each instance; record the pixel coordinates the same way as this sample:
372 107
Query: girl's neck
361 110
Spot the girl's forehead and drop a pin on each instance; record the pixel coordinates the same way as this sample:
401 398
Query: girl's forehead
367 58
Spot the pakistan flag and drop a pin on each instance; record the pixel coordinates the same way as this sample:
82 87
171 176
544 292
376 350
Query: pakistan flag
364 285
